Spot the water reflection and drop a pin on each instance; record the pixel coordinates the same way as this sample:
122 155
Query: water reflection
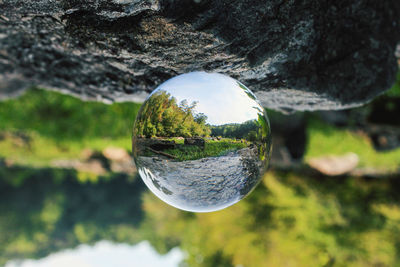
43 211
46 210
201 141
106 254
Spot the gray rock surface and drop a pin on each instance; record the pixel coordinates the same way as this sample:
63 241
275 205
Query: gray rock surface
295 55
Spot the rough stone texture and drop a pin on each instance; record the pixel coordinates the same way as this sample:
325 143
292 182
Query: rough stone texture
295 55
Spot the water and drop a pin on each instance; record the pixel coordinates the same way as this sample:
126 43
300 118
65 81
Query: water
106 254
201 141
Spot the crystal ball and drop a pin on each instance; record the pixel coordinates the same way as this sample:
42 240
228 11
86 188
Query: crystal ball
201 141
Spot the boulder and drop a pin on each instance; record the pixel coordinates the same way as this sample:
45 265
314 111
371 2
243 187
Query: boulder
295 55
334 165
116 154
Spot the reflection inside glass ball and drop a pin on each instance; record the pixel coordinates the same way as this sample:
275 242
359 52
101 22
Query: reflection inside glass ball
201 141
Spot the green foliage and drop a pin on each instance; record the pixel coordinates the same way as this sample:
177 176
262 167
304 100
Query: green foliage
256 131
236 130
211 149
162 116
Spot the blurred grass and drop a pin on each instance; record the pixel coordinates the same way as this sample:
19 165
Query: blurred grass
46 125
395 90
42 149
324 139
55 126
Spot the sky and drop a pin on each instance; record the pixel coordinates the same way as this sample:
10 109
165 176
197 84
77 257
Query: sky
106 254
219 97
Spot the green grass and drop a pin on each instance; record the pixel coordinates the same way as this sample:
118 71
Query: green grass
324 139
211 149
63 117
395 90
43 150
177 140
60 127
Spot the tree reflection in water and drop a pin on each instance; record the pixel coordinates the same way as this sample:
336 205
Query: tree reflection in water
288 218
46 210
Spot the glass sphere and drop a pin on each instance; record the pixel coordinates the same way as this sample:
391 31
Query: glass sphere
201 141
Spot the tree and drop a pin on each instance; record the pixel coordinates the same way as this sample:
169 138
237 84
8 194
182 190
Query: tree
161 116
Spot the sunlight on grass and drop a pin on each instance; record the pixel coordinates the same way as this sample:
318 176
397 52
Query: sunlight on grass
42 126
41 150
325 139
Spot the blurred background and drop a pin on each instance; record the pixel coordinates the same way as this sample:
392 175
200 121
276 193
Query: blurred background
70 194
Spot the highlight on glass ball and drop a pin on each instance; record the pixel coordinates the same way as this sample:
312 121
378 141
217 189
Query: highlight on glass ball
201 141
